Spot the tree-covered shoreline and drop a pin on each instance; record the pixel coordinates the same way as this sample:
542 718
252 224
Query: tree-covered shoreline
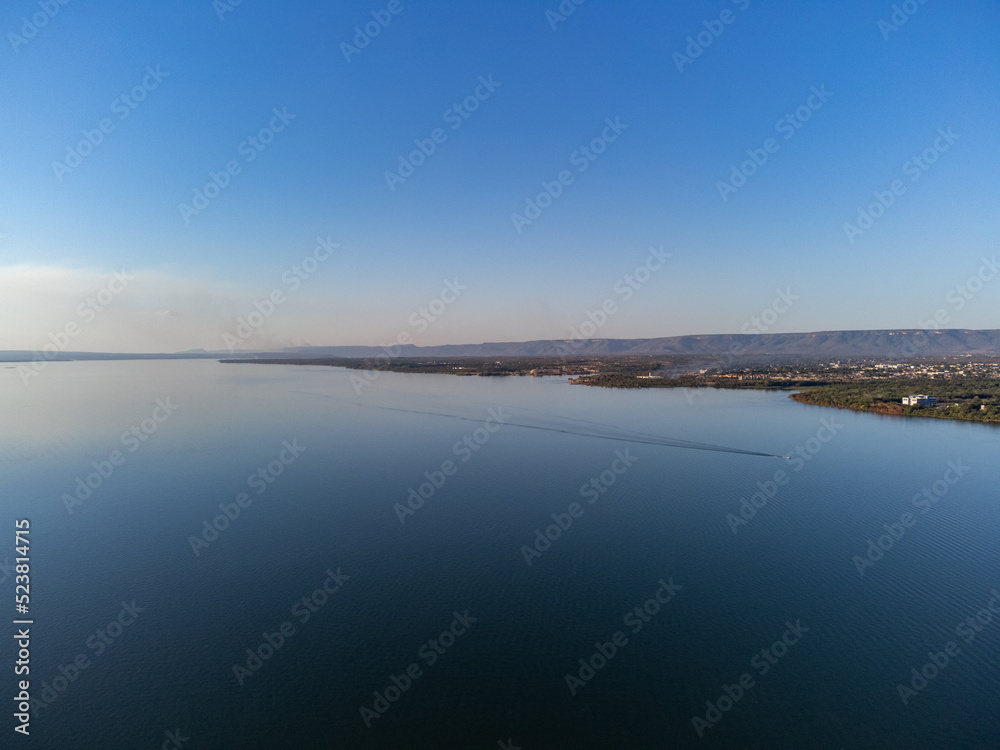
958 398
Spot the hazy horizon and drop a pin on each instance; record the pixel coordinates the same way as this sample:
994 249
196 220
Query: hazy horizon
392 347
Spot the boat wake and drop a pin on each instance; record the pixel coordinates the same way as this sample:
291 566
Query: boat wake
585 428
535 420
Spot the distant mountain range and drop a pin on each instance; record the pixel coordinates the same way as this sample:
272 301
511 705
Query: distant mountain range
820 344
893 343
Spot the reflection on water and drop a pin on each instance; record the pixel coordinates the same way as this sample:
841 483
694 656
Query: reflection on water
331 513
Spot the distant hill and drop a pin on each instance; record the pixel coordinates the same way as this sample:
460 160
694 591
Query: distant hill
890 343
895 343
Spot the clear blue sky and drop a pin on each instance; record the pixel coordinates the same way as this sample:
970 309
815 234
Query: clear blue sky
655 185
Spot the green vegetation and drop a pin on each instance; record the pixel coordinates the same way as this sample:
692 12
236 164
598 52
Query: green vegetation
958 398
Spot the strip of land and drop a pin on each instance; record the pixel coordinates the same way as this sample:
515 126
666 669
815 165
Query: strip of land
965 390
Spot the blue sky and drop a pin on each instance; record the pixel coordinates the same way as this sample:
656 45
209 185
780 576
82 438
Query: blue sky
64 232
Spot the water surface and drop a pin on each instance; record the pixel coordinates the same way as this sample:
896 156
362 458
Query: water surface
331 508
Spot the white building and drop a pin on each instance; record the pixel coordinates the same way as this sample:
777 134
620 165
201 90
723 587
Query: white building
920 400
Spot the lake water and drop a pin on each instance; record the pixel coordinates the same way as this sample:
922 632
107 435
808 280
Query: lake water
770 636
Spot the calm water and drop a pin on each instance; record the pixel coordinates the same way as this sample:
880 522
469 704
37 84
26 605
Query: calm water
503 676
